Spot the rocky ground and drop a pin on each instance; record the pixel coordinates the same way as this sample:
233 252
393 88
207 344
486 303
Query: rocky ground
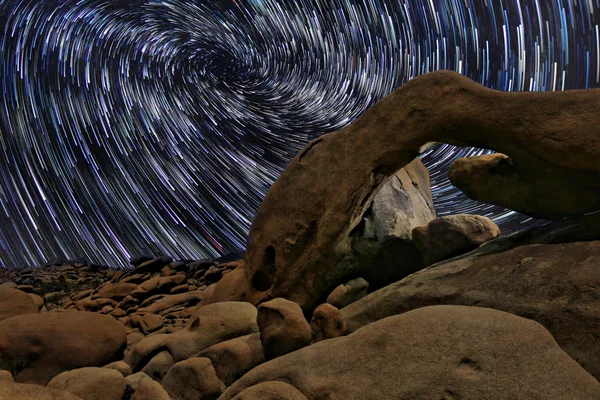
351 286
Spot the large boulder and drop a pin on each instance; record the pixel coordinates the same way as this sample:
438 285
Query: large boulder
283 328
271 391
233 358
496 179
21 391
440 352
149 389
37 347
208 326
452 235
91 383
300 233
193 379
557 285
15 302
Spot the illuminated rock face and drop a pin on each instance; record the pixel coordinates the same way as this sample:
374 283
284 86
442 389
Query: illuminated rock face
299 234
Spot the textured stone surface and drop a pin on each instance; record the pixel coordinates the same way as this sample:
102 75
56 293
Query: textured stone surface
208 326
440 352
301 228
283 328
91 383
39 346
20 391
327 323
15 302
452 235
557 285
193 379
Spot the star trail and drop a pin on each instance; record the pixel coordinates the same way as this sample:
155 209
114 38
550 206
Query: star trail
157 127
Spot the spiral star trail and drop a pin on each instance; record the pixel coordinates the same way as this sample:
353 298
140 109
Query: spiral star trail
157 127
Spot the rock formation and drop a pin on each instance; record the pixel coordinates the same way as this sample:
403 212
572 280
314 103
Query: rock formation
432 353
306 219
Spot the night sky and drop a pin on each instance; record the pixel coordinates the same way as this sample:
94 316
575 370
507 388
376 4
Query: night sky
157 127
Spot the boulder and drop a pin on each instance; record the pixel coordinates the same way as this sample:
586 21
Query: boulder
231 287
147 323
300 233
120 366
134 380
449 236
233 358
496 179
327 323
158 366
91 383
115 291
153 265
150 390
6 376
15 302
271 391
349 292
193 379
440 352
37 347
208 326
37 300
182 299
557 285
21 391
283 328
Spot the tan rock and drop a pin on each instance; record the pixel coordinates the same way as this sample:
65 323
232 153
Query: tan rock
158 366
150 390
433 353
283 328
38 301
193 379
271 391
298 234
147 323
210 325
37 347
91 383
6 376
20 391
452 235
120 366
327 323
496 179
349 292
557 285
115 291
233 358
15 302
230 288
134 380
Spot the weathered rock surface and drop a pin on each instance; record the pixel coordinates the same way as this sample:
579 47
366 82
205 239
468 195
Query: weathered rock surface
299 233
271 391
193 379
496 179
557 285
21 391
327 323
15 302
233 358
449 236
91 383
149 389
159 365
210 325
6 376
432 353
349 292
37 347
283 328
